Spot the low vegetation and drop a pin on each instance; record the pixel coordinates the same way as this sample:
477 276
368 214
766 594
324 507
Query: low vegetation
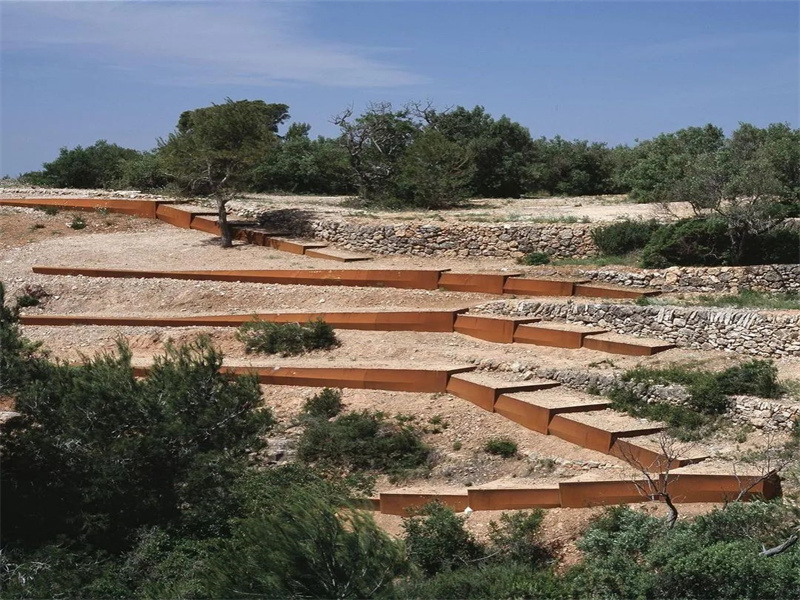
287 339
501 446
363 441
535 258
748 299
155 487
324 405
709 394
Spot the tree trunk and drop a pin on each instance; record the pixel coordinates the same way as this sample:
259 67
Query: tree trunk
225 229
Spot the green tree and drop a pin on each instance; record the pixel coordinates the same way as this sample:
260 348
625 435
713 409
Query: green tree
434 172
214 149
376 142
305 546
100 165
302 165
502 149
666 159
98 453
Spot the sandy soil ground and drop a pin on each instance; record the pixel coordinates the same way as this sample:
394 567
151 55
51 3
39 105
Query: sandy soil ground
482 210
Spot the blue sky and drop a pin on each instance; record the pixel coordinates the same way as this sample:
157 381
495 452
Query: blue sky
76 72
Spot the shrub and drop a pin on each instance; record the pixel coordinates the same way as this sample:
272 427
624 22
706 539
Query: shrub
49 210
305 546
628 554
363 441
18 356
495 580
778 246
535 258
689 242
78 222
97 166
26 300
624 237
287 339
516 537
436 540
753 378
325 405
502 446
115 453
685 423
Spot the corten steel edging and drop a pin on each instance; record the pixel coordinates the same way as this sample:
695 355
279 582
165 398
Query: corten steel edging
538 287
697 487
581 494
293 246
403 503
648 459
400 278
180 215
513 498
630 348
206 224
329 253
257 236
596 291
556 338
534 417
486 395
683 489
581 434
422 321
399 380
485 283
490 329
136 208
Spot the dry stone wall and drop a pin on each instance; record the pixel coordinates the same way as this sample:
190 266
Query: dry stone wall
448 240
732 330
768 278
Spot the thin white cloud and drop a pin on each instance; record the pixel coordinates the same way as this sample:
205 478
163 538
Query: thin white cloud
201 43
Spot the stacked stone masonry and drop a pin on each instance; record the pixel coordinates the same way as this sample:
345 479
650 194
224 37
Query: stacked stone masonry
448 240
731 330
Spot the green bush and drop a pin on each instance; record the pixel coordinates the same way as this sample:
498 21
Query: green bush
778 246
363 441
516 537
505 580
535 258
26 300
115 453
436 540
709 393
19 358
624 237
753 378
324 405
305 546
78 222
97 166
685 423
689 242
501 446
629 554
287 339
49 210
